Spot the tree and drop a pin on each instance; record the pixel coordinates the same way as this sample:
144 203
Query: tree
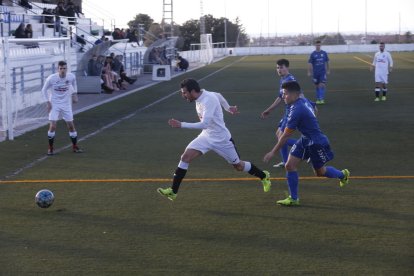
236 35
143 19
408 37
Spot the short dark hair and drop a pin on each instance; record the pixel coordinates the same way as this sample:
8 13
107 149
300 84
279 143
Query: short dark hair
292 86
283 61
317 42
62 63
190 84
382 43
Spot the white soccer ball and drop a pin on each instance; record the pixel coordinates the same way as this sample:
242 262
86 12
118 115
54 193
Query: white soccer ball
44 198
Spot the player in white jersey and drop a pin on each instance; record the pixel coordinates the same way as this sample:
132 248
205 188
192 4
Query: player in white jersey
60 90
214 136
383 66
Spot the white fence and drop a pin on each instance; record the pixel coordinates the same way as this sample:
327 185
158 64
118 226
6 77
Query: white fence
285 50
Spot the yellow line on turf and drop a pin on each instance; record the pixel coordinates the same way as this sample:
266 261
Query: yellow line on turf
360 59
187 180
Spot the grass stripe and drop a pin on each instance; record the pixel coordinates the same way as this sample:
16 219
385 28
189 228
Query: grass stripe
137 180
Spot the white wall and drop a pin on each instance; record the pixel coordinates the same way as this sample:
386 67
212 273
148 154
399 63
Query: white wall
282 50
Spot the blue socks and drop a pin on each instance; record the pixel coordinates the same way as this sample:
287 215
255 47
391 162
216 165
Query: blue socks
331 172
293 181
320 93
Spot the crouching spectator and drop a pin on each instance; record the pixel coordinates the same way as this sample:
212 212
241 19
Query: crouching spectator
182 64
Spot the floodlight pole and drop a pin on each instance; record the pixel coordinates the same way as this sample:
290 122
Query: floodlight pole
225 34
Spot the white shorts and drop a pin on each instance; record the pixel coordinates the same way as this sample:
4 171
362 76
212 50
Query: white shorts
225 149
381 77
61 112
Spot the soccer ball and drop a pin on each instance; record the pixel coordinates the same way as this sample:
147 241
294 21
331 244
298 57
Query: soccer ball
44 198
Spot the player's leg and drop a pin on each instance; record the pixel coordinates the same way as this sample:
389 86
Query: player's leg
292 181
54 113
51 137
284 150
67 115
317 89
384 92
322 88
73 134
378 85
384 88
196 148
320 155
229 152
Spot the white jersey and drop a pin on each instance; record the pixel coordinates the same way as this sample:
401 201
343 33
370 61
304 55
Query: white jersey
209 110
382 61
61 89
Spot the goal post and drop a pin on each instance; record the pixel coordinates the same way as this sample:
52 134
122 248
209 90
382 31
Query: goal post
206 49
24 66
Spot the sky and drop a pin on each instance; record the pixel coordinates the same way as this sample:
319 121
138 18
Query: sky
269 17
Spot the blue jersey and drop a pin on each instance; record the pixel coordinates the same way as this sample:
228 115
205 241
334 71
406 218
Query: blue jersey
301 116
288 77
318 60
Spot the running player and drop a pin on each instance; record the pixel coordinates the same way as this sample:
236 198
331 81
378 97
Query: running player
383 66
318 67
282 69
313 144
60 90
214 136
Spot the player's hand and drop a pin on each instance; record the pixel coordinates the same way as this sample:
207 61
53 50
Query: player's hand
234 110
174 123
268 156
264 114
309 74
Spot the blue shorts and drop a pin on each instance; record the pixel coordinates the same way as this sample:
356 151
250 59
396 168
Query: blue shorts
319 78
318 154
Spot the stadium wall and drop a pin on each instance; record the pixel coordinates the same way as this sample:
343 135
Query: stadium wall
285 50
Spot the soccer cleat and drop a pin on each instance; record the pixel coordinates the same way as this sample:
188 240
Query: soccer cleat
318 102
168 193
322 102
383 98
344 181
377 99
279 165
266 182
50 151
76 149
289 201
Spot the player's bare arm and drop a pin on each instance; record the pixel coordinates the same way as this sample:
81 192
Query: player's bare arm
266 113
75 98
282 140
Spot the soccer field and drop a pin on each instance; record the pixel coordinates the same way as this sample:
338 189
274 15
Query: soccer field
108 219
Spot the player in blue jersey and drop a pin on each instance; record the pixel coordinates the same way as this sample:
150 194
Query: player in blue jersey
318 67
313 144
282 69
